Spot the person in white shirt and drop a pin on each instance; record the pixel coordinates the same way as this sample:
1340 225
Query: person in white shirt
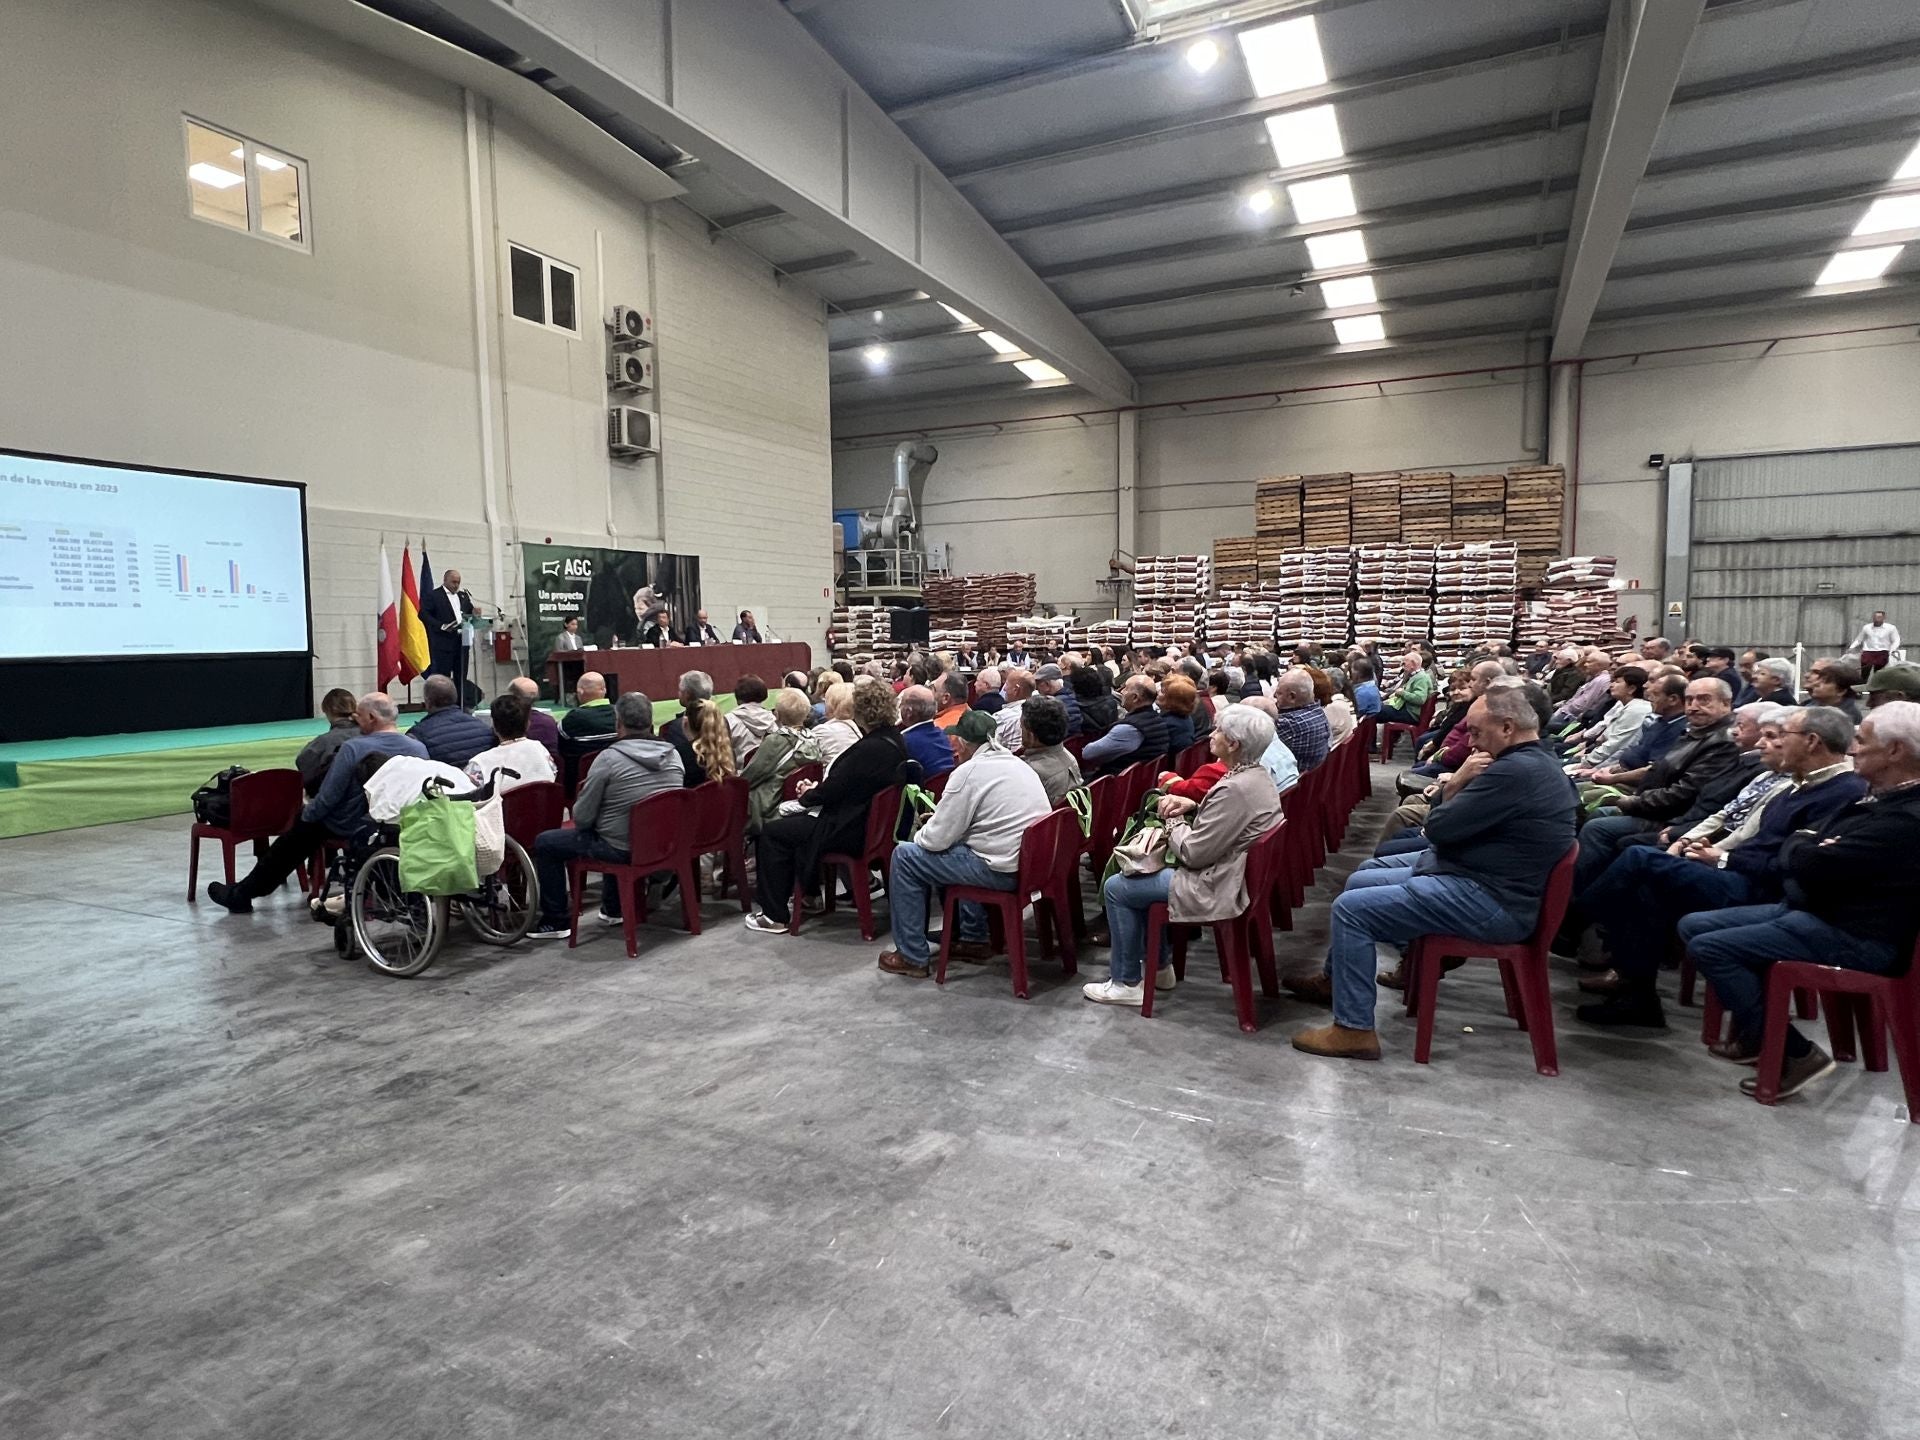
972 838
1876 643
1017 687
836 734
528 760
1620 726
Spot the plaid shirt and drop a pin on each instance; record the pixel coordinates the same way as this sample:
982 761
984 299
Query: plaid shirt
1305 732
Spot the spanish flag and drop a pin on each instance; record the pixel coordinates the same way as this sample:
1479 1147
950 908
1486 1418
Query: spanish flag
413 634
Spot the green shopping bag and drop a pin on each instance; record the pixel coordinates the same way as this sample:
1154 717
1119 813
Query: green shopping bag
436 846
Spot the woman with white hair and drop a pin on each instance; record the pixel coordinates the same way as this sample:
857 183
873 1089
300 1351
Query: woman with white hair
1207 844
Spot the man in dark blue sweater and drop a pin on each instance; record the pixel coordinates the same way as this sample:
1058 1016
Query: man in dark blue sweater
1503 821
1645 892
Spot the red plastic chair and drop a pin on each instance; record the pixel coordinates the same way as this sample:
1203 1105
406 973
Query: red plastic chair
876 848
1135 782
528 809
656 840
718 820
1523 972
1247 937
1192 758
1392 730
265 805
1857 1004
1049 846
1074 744
937 785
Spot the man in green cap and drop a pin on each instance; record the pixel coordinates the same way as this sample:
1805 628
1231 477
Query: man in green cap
1893 682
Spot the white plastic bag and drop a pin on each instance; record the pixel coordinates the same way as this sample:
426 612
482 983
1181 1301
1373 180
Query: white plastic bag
489 837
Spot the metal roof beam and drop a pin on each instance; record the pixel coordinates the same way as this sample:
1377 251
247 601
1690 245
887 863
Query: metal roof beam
815 264
1646 46
1752 299
882 301
1310 352
1320 316
925 367
901 337
1780 205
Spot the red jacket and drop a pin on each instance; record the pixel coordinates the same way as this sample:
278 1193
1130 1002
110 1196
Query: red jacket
1196 785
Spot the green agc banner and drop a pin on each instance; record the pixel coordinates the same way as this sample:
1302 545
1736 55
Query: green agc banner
609 590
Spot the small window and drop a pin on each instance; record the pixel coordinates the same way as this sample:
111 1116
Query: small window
234 182
545 291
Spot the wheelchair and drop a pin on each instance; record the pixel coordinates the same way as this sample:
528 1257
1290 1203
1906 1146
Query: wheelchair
400 933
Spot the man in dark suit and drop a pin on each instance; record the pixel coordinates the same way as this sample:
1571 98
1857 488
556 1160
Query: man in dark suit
702 631
442 611
746 631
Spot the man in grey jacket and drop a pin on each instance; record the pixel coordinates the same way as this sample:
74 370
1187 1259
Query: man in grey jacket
635 766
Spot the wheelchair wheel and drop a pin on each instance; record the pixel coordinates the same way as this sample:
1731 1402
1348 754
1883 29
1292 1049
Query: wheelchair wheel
399 934
504 907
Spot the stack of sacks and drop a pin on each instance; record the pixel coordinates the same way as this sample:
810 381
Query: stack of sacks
956 638
1577 601
1395 604
1238 621
1310 597
1168 591
981 603
1110 634
1040 632
856 630
1476 586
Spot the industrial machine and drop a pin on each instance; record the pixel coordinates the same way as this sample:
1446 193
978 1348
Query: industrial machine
887 557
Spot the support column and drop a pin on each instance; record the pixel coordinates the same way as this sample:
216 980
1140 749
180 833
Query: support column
1563 442
1126 480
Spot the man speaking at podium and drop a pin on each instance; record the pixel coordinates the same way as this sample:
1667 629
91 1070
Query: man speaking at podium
445 610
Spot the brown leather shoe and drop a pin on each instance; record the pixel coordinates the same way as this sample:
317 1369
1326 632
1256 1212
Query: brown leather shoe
1313 989
1607 982
1339 1043
1735 1050
1796 1075
894 963
974 950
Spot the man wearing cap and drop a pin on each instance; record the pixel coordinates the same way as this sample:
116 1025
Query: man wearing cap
1052 680
1893 682
972 838
1876 643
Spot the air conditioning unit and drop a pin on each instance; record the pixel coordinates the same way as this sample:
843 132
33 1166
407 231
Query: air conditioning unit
630 327
629 371
632 432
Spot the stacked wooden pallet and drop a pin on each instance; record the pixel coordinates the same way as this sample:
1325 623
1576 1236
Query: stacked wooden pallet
1479 507
1268 550
1276 509
1426 507
1236 560
1376 507
1326 510
1536 497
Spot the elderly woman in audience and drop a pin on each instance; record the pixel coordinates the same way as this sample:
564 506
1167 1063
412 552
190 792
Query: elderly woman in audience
1177 699
1099 710
1043 733
832 815
786 747
836 733
1207 844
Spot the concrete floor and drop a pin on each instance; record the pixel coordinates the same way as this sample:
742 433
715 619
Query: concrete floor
751 1187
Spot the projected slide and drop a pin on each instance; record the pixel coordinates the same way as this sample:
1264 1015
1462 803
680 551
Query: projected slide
103 560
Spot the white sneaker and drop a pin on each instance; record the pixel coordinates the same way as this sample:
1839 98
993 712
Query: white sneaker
1112 992
606 919
1165 979
764 926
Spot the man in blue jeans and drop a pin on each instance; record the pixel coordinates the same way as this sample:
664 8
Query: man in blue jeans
1503 821
972 838
1852 899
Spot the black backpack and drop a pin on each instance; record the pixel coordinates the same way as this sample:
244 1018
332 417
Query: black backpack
213 801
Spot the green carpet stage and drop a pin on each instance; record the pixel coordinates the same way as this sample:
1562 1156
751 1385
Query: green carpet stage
66 784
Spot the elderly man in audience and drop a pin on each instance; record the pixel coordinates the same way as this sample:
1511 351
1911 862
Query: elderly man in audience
1730 858
1366 693
953 693
1662 723
1044 725
749 722
1656 649
1831 682
788 746
1411 691
1299 720
451 734
1206 875
1093 688
1139 734
1504 819
986 691
1451 749
1051 681
1900 681
1590 701
1851 898
1773 681
338 809
1017 685
1566 676
1723 663
592 713
925 741
972 838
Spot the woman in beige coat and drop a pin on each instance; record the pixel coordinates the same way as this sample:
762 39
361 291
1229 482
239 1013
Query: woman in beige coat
1207 844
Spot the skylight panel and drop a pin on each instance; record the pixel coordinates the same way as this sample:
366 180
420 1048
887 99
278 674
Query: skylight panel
1338 250
1328 199
1890 212
1301 137
1341 293
1283 58
1038 370
1851 265
1358 329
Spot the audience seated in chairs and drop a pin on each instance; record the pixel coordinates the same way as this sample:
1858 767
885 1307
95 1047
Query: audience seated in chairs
338 810
1733 857
1044 747
1017 686
1205 877
836 733
831 816
1503 821
1300 721
972 838
1831 682
749 722
1851 898
925 741
1589 702
953 692
1139 734
338 706
1664 722
1366 693
637 764
1614 731
1772 681
1099 710
788 746
512 750
451 735
986 691
592 713
699 732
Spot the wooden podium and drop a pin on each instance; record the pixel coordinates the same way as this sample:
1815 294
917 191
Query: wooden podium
657 672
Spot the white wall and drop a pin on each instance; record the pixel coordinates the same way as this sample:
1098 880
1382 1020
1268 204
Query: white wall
1199 461
134 332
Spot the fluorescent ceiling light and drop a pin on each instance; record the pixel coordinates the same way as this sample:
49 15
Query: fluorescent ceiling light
1358 329
878 316
1910 167
1341 293
1260 201
1858 265
1894 212
1328 199
1301 137
999 344
213 175
1038 370
1338 250
1284 57
1203 55
875 356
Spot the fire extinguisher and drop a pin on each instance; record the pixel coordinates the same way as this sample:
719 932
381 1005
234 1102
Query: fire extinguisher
503 645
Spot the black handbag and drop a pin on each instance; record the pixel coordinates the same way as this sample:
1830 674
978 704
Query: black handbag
213 801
